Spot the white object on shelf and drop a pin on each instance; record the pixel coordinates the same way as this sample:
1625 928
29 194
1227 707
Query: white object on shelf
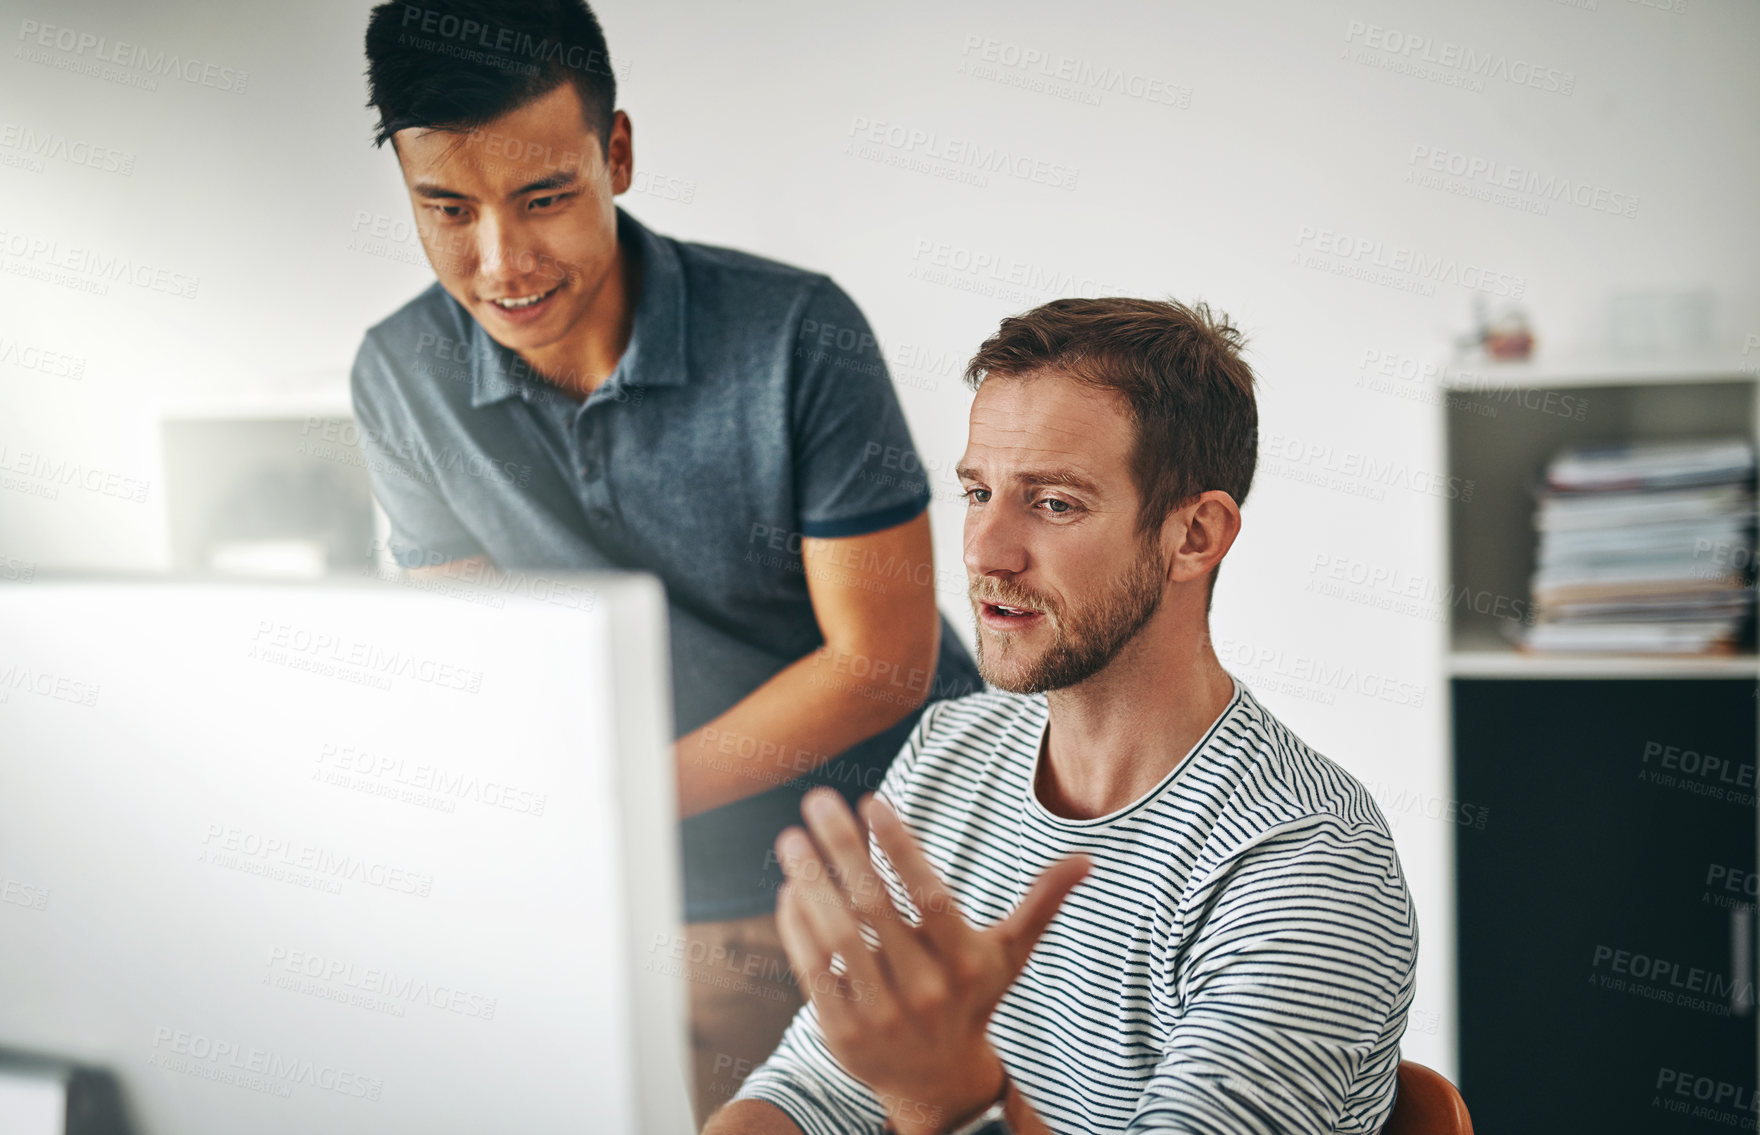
32 1104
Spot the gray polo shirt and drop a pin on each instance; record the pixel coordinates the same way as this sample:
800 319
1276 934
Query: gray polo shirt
751 408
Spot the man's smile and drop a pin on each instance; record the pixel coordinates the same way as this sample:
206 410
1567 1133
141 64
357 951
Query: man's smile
524 307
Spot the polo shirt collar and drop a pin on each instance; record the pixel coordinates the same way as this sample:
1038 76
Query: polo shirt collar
655 355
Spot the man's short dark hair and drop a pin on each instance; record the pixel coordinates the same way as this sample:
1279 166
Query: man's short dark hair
460 64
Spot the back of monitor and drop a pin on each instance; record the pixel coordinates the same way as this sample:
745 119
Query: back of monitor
344 857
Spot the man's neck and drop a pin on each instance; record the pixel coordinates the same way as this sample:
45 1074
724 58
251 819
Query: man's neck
582 360
1117 735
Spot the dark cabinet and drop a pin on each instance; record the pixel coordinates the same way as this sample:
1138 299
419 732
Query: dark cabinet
1606 909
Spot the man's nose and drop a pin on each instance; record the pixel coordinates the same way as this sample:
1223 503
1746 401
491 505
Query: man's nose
993 542
500 254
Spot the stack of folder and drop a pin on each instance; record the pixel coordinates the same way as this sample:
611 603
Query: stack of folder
1645 548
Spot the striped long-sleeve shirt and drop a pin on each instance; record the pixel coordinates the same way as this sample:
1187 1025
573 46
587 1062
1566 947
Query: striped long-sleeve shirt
1240 958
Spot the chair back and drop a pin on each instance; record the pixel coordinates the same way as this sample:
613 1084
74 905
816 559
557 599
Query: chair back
1427 1104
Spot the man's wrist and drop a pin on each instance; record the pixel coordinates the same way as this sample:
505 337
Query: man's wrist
917 1117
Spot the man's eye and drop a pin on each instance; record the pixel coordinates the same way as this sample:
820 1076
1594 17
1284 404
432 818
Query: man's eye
450 212
546 202
1066 506
977 496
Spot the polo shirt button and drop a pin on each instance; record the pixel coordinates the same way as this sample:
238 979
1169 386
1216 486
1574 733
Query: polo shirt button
590 470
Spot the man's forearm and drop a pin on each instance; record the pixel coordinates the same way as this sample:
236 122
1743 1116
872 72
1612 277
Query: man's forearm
803 716
751 1117
757 1117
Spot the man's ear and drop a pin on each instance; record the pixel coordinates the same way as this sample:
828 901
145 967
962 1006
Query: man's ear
620 153
1196 535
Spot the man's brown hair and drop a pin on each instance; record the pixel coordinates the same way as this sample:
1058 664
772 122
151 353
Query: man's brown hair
1180 372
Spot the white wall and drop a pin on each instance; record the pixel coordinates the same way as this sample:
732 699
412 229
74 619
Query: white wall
1283 125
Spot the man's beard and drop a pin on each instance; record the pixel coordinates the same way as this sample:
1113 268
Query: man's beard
1086 638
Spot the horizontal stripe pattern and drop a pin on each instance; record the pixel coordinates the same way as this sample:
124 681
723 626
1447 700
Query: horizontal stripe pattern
1240 959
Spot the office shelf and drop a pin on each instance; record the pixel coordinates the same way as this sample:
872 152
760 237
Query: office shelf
1606 830
1513 664
1479 655
1544 372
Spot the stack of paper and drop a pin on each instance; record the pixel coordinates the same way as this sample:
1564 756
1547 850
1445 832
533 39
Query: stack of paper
1645 548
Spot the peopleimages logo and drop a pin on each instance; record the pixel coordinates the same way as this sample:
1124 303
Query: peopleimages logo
58 687
74 151
232 847
1065 76
371 987
390 772
129 57
260 1069
335 655
1416 52
1660 979
1495 175
52 474
1413 265
86 269
941 262
893 143
1707 1098
1355 471
499 40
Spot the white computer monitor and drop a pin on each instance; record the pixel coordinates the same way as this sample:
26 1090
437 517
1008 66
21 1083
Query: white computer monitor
348 856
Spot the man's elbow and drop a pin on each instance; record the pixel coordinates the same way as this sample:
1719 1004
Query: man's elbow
471 568
893 676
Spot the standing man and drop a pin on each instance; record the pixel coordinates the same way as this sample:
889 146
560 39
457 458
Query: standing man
577 392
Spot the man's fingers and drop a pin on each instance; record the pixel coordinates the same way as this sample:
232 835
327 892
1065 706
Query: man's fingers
834 829
1020 931
807 956
942 920
824 908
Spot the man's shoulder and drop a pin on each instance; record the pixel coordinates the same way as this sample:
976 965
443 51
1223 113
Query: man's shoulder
762 294
1268 779
737 266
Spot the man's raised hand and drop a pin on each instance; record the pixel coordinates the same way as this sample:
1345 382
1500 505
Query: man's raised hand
906 1017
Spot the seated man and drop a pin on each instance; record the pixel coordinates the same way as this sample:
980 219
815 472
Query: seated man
1239 953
